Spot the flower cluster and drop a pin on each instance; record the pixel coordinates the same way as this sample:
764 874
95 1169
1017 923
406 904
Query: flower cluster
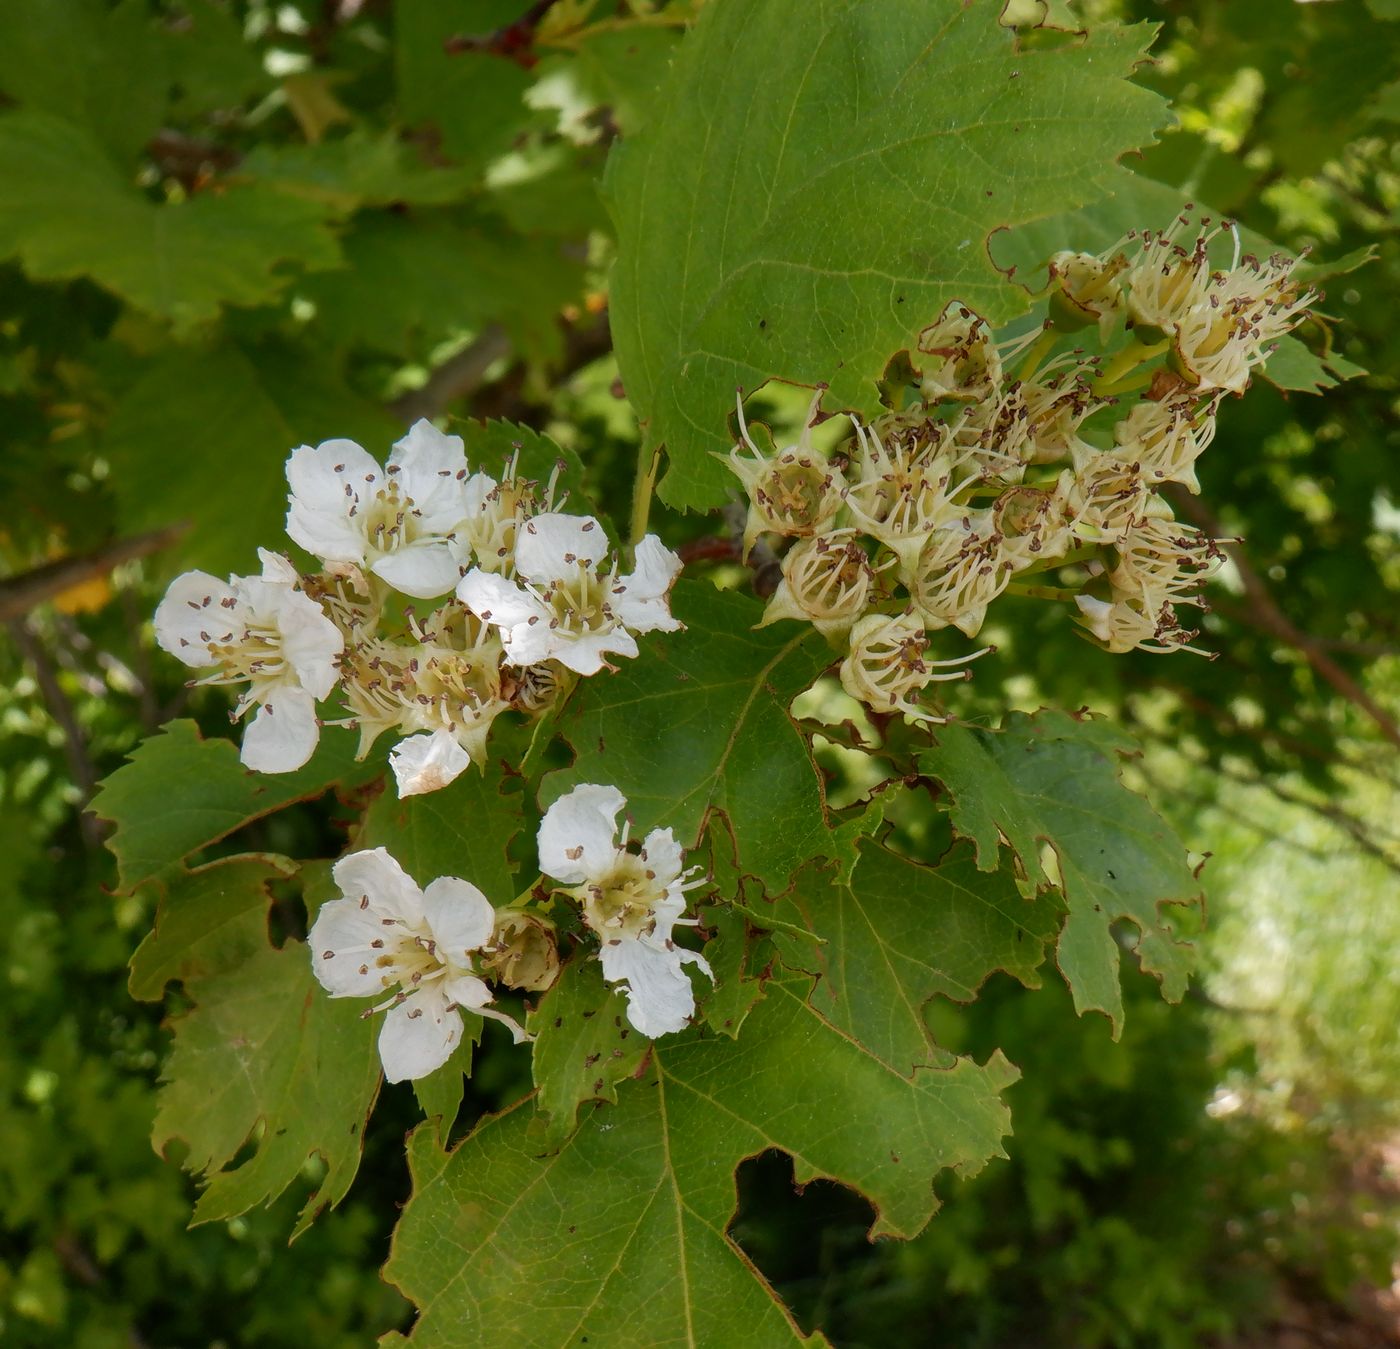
526 599
428 953
997 460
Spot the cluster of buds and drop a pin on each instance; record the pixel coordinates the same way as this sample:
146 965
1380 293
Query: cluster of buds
998 460
524 599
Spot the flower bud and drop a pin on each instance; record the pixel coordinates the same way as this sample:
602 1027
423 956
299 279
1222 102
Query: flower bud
522 951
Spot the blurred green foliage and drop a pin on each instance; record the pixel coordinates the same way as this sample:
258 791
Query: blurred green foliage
228 227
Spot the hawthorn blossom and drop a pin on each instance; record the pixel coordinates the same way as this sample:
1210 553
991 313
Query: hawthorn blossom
385 935
795 492
563 606
888 665
397 522
826 582
632 900
264 630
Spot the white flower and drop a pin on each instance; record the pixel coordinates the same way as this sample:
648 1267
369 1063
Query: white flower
631 900
396 522
264 630
564 607
388 936
888 665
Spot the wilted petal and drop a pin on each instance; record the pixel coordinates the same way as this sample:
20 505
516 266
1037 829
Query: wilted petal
342 958
640 600
425 569
432 469
460 917
373 875
578 835
426 763
418 1035
554 544
283 734
197 609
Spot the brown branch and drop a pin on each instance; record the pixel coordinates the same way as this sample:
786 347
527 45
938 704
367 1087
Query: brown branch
459 376
1264 614
514 41
19 594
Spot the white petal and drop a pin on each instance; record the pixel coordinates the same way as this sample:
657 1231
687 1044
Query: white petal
583 653
425 569
310 643
418 1035
663 857
578 835
326 480
553 545
197 609
342 958
466 990
660 999
1098 613
460 917
426 763
478 487
283 734
495 600
276 569
432 469
640 600
372 874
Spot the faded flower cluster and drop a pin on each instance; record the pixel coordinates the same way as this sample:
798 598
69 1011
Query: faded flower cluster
1000 460
429 954
526 599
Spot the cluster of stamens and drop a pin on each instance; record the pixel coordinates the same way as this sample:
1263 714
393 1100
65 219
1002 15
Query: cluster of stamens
998 460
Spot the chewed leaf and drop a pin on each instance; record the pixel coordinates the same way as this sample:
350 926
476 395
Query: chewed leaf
620 1237
1051 780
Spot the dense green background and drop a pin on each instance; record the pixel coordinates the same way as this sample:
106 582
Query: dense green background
232 227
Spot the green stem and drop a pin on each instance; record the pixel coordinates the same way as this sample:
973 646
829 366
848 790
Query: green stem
1127 360
1041 592
775 924
641 495
1037 354
1064 560
527 894
1129 385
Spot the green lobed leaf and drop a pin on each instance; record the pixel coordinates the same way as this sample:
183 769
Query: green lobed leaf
440 1093
583 1047
463 830
425 278
898 933
202 428
178 793
357 169
181 261
620 1238
76 58
209 919
699 724
854 158
265 1056
1049 779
